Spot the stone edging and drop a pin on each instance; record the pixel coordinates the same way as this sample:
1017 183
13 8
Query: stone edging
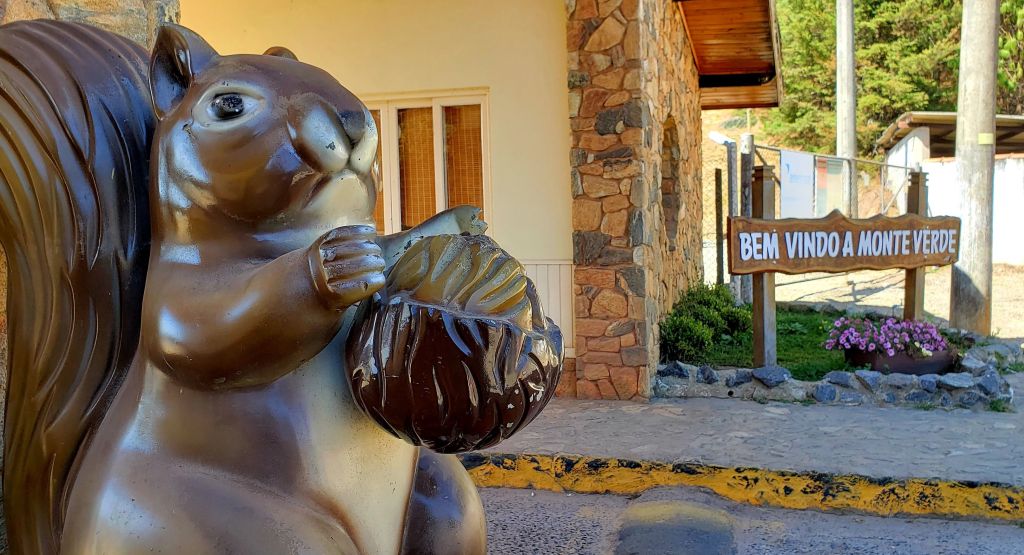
790 490
976 386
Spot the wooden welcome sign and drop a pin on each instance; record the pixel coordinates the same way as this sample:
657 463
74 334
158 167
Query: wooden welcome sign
763 246
836 243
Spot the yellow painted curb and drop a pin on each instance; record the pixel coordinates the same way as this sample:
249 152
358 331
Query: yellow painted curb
790 490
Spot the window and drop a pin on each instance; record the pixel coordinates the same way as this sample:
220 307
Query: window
433 156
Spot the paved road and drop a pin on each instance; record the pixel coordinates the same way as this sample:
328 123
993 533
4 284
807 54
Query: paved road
870 441
525 521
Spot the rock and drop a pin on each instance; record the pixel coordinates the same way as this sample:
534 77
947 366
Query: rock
972 364
974 359
609 303
607 35
929 382
587 246
633 114
634 278
772 376
969 398
825 393
890 398
578 79
897 380
677 369
740 377
636 228
707 374
917 396
607 120
989 384
669 386
945 401
1000 350
851 398
838 377
870 379
958 380
796 391
618 152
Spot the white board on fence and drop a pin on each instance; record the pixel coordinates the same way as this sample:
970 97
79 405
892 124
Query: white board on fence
797 185
828 186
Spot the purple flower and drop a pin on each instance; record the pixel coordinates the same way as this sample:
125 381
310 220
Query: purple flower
889 335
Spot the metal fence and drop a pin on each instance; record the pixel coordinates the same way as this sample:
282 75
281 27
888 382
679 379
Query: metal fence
881 188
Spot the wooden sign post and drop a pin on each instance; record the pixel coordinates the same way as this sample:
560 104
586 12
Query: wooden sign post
762 245
913 283
765 348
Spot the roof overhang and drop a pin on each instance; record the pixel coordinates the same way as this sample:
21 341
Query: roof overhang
1009 135
736 48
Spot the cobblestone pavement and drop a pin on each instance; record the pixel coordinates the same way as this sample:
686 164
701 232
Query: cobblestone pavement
524 521
870 441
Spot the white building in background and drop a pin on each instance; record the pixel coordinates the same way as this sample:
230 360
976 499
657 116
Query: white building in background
928 139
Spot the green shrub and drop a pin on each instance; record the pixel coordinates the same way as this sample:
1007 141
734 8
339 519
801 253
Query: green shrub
701 317
684 338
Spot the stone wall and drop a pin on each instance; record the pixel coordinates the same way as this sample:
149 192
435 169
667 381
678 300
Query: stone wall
635 118
135 19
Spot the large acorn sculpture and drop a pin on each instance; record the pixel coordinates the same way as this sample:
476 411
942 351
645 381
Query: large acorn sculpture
455 353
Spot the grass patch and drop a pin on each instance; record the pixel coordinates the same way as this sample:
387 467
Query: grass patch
1000 405
925 406
800 338
705 328
1014 368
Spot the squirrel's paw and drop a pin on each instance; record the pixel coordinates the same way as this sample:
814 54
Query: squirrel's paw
347 265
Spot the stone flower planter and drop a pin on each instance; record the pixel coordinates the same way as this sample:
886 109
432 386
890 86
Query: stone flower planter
940 362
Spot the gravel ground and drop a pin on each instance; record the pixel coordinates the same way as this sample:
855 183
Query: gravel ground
525 521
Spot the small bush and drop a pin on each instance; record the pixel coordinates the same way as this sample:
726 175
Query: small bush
701 317
1000 405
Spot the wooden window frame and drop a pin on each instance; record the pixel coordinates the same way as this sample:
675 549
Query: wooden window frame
390 185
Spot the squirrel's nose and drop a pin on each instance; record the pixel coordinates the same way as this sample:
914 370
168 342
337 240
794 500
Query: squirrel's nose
331 142
362 132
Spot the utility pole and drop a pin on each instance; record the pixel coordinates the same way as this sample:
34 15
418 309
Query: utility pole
846 101
747 154
971 290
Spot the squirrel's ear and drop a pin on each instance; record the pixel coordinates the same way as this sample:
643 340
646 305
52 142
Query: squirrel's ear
281 52
178 56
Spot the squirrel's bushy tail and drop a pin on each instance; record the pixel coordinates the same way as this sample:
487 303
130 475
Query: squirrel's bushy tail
75 130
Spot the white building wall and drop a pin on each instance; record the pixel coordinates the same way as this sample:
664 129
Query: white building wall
513 52
1008 198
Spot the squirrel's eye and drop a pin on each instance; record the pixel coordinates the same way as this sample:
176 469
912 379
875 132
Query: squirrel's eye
228 105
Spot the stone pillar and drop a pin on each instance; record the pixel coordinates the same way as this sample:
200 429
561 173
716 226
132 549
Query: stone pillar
635 248
135 19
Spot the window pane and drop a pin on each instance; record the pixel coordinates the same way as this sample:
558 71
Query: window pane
464 169
416 164
378 210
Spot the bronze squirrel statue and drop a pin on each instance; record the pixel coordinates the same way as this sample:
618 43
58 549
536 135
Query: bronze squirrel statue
211 349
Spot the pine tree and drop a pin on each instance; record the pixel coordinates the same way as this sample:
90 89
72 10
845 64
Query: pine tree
907 59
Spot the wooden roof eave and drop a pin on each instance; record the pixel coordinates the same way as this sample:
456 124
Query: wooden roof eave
732 75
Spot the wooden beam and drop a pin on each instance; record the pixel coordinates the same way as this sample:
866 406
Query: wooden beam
765 340
913 281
